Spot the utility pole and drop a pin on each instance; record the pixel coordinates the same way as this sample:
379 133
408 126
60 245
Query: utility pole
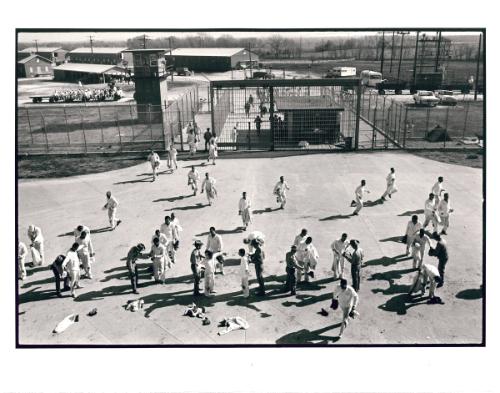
144 38
415 60
382 54
250 57
392 52
477 66
171 62
36 46
91 42
402 33
436 65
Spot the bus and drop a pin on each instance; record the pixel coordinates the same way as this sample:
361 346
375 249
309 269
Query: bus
370 78
336 72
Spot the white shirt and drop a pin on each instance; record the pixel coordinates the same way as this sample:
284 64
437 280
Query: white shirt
208 183
339 245
360 191
347 298
153 158
173 153
158 252
299 239
194 176
170 231
437 189
244 204
256 235
244 268
422 240
209 266
391 178
214 243
86 246
412 229
430 206
71 262
112 203
35 235
311 253
444 208
22 251
281 188
77 233
162 238
430 270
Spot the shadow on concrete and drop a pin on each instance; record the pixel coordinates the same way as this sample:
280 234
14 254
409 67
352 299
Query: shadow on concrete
386 261
192 207
195 165
39 282
337 217
33 296
410 213
173 199
161 300
401 303
373 203
305 336
101 230
118 268
307 300
33 270
223 231
266 210
395 239
110 291
471 294
150 174
144 180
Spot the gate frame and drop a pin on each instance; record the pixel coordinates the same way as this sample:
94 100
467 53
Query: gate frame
355 83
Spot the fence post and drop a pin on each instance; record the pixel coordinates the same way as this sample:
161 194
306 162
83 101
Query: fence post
150 125
100 122
45 133
446 125
83 130
132 121
271 116
119 132
466 118
358 105
29 124
248 137
66 122
374 131
406 127
212 114
369 105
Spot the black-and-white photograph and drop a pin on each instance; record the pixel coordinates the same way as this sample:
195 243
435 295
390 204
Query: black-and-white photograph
250 187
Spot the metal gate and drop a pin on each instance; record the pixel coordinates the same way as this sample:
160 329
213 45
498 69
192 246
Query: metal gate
286 114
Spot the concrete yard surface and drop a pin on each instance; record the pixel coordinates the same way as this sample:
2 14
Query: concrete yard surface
322 188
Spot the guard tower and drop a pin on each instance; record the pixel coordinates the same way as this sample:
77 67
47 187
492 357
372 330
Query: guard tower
150 83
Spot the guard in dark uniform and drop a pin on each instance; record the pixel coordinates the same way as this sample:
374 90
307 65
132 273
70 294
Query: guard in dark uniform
291 269
58 271
132 256
196 259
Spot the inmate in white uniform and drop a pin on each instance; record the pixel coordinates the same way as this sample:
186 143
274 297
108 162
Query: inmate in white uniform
437 190
244 211
193 180
338 265
444 209
22 251
280 192
36 238
154 160
244 274
418 249
208 186
348 300
359 194
412 230
112 205
85 253
391 185
158 254
72 265
430 213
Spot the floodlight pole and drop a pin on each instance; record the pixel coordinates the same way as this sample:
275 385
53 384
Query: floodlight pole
358 114
415 61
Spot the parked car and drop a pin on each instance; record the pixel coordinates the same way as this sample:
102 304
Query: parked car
425 97
183 71
262 75
446 97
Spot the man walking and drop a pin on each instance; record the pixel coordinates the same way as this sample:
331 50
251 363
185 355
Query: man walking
258 122
86 253
171 232
292 266
441 253
391 185
215 245
438 189
444 209
196 260
207 136
193 179
36 247
158 256
418 248
309 259
208 186
430 212
280 192
355 258
300 238
132 256
154 160
78 231
112 205
172 152
22 252
244 210
338 247
71 264
412 229
346 298
359 194
257 258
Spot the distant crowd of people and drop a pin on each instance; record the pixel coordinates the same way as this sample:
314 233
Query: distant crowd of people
112 92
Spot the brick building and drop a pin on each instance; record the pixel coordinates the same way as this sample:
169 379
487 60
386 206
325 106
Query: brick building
33 66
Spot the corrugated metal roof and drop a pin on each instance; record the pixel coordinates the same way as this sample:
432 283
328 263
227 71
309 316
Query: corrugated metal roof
88 68
26 59
98 50
218 52
40 49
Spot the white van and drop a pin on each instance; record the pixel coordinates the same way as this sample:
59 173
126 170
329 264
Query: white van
337 72
370 78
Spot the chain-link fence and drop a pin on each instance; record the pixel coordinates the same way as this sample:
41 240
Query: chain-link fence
100 127
284 114
407 125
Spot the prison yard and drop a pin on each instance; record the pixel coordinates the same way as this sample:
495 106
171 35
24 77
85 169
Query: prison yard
124 127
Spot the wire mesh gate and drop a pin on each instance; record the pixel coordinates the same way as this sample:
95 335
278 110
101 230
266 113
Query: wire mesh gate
286 114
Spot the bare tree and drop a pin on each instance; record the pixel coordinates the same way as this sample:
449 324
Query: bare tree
276 44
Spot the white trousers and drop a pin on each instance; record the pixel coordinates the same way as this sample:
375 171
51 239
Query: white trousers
338 265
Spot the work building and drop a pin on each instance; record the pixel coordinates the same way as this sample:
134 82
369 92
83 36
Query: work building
88 73
211 59
33 66
56 55
113 56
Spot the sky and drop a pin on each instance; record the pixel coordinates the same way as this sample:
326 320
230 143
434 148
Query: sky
115 36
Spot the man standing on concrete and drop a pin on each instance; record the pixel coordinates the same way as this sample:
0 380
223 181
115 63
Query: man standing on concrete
427 274
154 160
257 258
71 264
215 245
280 192
291 269
441 253
172 152
78 231
196 260
59 273
355 258
37 249
347 299
309 259
170 230
258 122
22 252
444 209
430 212
338 247
438 189
391 185
193 179
86 253
158 255
111 205
207 136
412 229
359 194
208 186
244 210
132 256
418 247
300 238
